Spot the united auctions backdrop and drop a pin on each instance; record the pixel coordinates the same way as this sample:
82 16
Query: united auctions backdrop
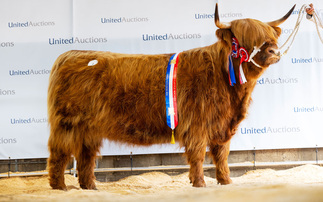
287 108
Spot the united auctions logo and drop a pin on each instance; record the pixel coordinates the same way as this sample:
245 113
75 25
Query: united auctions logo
29 72
308 109
199 16
30 24
164 37
123 20
270 130
8 140
53 41
278 80
7 44
28 120
306 60
286 31
7 92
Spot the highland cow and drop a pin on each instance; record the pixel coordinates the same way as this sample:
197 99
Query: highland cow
121 97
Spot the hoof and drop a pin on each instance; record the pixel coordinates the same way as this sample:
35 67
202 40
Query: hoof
89 187
199 184
63 188
224 181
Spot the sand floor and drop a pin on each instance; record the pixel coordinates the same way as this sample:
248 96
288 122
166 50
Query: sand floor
304 183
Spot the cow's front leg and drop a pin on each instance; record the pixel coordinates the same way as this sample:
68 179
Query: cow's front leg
195 157
220 155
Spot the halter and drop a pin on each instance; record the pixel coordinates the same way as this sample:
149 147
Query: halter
241 52
254 52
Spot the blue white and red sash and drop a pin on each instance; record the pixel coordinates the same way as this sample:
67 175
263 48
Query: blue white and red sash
170 92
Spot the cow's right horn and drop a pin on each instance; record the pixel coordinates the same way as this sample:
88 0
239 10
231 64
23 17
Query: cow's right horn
219 24
276 23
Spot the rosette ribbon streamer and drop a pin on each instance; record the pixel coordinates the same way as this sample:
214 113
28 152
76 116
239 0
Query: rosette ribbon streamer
244 58
171 94
241 52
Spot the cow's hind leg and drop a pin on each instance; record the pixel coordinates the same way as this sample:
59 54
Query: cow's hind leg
195 157
85 166
220 155
56 164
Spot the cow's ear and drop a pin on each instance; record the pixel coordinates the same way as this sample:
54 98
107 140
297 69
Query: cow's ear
224 35
278 31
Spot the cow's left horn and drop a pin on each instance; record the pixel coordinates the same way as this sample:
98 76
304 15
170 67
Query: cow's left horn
276 23
217 20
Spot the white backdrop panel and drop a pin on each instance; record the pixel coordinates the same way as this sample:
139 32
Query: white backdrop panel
287 108
35 32
26 60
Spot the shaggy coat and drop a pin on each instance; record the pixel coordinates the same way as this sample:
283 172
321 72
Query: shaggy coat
122 99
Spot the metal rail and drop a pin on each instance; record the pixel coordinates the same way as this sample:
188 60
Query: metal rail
257 165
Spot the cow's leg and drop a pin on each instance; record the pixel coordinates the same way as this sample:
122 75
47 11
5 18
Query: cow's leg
56 164
85 166
220 155
195 157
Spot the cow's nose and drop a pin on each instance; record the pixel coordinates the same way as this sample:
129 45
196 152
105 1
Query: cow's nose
274 51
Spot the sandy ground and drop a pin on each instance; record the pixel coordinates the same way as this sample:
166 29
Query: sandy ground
304 183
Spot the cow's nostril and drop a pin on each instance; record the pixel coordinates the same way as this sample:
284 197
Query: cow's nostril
274 51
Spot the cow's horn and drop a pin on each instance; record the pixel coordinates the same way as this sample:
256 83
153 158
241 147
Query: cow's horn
219 24
276 23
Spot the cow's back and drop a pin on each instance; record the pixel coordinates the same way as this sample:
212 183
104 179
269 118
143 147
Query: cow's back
121 97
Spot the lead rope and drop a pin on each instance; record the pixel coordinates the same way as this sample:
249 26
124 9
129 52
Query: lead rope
295 31
297 25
